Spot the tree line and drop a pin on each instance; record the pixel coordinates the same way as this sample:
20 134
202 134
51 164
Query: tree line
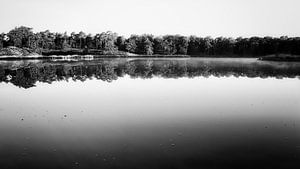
146 44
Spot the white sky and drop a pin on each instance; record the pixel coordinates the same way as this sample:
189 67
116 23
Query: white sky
230 18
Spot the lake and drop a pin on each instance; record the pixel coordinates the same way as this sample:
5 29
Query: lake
149 113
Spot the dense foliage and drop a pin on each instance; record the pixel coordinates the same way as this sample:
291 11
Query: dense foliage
146 44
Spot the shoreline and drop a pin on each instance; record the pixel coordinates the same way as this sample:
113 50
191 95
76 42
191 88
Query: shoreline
14 53
42 57
37 57
66 57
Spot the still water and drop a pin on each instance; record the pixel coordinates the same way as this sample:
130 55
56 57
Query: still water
149 113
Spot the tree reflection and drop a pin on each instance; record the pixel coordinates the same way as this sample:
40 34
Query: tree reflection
26 74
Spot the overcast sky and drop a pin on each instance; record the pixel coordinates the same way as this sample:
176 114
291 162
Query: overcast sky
230 18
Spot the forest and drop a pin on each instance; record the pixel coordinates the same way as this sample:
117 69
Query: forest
147 44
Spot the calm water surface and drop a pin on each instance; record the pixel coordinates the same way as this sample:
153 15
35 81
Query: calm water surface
149 113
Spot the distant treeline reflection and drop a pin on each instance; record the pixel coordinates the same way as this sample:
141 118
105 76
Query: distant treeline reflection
26 74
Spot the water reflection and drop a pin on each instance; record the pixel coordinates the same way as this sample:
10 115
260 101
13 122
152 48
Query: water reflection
26 73
153 114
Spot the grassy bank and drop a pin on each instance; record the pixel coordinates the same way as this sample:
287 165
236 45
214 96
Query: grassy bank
14 53
68 52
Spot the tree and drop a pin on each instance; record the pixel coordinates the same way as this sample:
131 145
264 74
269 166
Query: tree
193 46
120 43
81 37
72 40
158 45
1 40
208 43
131 44
107 40
61 41
181 44
147 46
33 41
89 41
46 40
169 45
224 46
19 36
97 41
